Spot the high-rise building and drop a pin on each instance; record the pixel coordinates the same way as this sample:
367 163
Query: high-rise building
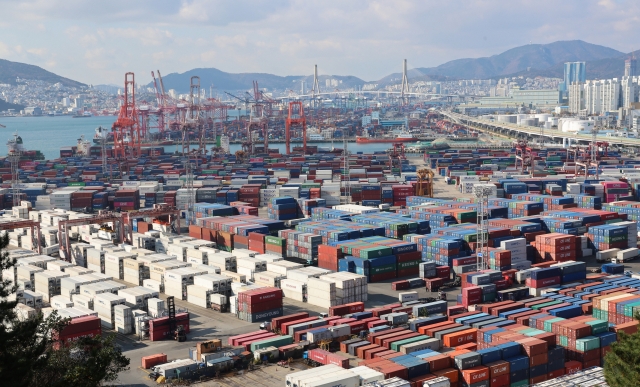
576 97
630 67
629 91
573 72
602 96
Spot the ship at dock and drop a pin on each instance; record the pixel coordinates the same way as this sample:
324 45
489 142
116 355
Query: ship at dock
16 147
400 137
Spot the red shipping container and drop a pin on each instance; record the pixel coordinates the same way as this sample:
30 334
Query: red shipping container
499 381
341 310
259 295
541 283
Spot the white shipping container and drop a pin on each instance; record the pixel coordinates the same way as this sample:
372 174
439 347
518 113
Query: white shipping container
408 296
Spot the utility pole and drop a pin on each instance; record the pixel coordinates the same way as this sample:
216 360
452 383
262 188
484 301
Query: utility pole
482 192
15 152
346 171
190 192
103 150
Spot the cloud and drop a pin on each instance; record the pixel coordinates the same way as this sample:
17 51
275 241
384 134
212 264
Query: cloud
95 42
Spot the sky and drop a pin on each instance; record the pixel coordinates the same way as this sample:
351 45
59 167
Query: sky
97 41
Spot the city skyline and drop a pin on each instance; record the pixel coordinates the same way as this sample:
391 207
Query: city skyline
97 43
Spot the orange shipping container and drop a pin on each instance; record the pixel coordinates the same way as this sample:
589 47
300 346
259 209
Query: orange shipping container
498 368
459 338
475 374
153 360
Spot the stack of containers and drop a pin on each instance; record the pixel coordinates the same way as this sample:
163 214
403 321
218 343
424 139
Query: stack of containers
275 245
260 304
613 190
283 208
395 226
610 236
400 194
105 304
301 244
371 195
555 247
321 293
123 319
126 200
47 283
307 205
114 263
80 200
250 193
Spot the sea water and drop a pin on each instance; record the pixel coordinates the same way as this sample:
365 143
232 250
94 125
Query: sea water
49 134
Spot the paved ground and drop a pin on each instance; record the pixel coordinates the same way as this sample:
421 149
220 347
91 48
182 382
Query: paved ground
207 324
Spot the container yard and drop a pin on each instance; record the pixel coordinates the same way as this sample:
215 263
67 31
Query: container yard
444 267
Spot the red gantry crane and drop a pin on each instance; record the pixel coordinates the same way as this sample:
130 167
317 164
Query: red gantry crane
296 117
126 130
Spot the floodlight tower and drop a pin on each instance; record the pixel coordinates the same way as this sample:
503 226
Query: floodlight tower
482 193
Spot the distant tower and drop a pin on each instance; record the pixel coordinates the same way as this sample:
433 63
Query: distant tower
630 66
405 81
316 86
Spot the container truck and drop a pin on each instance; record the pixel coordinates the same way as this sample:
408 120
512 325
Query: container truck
173 369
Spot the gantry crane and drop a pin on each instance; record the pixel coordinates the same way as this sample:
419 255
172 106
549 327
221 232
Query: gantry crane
296 117
31 224
396 155
157 211
425 182
102 218
126 129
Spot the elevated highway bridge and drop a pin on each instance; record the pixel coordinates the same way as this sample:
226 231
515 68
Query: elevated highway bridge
517 131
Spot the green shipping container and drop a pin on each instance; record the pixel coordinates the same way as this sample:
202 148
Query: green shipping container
278 341
408 265
533 332
382 269
540 306
77 184
587 343
564 341
395 346
598 326
548 324
271 240
375 252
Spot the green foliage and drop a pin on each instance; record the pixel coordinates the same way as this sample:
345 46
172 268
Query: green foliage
622 363
89 361
29 356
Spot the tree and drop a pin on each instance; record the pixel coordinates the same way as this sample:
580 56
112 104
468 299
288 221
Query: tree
89 361
622 363
28 356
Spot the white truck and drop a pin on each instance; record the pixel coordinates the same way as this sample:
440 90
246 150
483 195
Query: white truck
173 369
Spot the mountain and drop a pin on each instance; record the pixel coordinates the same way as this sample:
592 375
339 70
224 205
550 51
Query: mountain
515 60
9 71
598 69
223 81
